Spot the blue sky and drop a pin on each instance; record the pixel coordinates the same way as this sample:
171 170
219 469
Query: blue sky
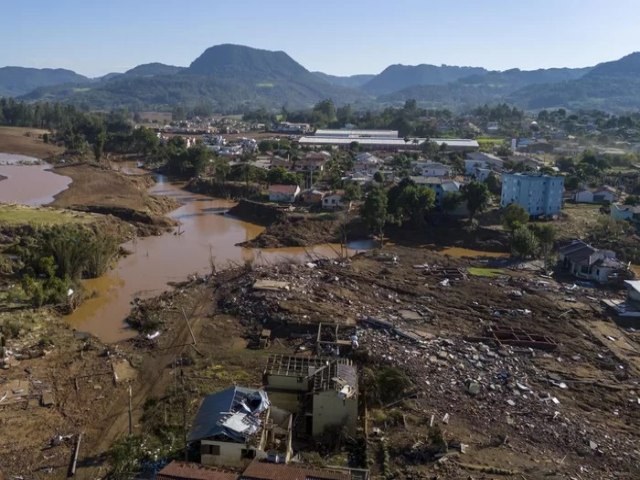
94 37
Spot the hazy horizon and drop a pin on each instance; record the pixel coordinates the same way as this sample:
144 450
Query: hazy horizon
338 38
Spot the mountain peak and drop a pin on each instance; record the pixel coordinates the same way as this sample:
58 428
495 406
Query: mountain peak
154 68
229 58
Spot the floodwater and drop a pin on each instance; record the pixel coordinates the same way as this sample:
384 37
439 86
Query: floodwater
28 181
205 235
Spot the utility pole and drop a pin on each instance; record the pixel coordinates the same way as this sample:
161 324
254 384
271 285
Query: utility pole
130 413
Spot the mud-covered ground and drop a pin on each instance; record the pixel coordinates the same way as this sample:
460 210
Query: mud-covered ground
106 191
520 412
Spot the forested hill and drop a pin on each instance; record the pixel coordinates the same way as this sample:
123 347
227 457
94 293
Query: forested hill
238 78
16 81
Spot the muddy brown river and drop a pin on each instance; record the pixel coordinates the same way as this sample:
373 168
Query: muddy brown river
205 235
28 181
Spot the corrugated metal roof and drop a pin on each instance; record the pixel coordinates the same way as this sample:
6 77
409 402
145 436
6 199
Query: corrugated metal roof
391 142
216 408
271 471
193 471
356 133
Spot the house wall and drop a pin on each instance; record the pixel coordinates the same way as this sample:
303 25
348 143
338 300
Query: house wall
230 454
329 410
288 401
282 382
332 201
537 194
584 197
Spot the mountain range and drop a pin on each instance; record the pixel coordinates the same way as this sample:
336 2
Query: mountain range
234 78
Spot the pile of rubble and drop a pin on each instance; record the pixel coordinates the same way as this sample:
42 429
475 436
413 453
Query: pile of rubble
500 389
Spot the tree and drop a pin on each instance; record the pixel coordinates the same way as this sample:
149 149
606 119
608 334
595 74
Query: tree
378 177
632 200
280 176
514 216
414 203
98 146
477 196
352 191
374 210
504 151
493 184
524 243
451 201
430 149
546 235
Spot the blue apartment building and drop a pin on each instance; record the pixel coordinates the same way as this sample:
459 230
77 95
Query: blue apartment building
540 195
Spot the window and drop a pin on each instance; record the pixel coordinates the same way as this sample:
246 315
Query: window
247 453
209 449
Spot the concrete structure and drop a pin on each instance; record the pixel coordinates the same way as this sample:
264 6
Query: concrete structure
236 425
283 193
588 263
539 195
324 391
601 195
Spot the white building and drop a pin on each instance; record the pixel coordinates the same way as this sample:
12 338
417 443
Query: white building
283 193
539 195
432 169
605 194
477 160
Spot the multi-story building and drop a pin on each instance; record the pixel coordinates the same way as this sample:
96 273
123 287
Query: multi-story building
540 195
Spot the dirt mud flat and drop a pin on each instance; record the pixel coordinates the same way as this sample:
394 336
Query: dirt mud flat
102 190
562 403
27 141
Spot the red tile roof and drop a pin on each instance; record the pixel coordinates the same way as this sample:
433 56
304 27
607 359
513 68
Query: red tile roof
193 471
290 189
271 471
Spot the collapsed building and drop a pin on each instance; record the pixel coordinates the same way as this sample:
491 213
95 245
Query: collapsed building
322 392
237 425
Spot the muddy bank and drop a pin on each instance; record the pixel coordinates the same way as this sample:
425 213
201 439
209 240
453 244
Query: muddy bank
287 229
101 190
258 212
453 234
27 141
232 190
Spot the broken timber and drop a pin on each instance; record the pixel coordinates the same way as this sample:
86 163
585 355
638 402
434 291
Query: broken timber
517 337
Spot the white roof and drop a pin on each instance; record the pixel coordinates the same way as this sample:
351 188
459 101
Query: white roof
357 133
633 284
456 142
395 142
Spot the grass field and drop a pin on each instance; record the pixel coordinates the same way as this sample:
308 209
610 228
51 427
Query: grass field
577 220
26 141
486 272
14 215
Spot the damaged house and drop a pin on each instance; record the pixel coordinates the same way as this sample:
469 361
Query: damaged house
237 425
589 263
322 391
